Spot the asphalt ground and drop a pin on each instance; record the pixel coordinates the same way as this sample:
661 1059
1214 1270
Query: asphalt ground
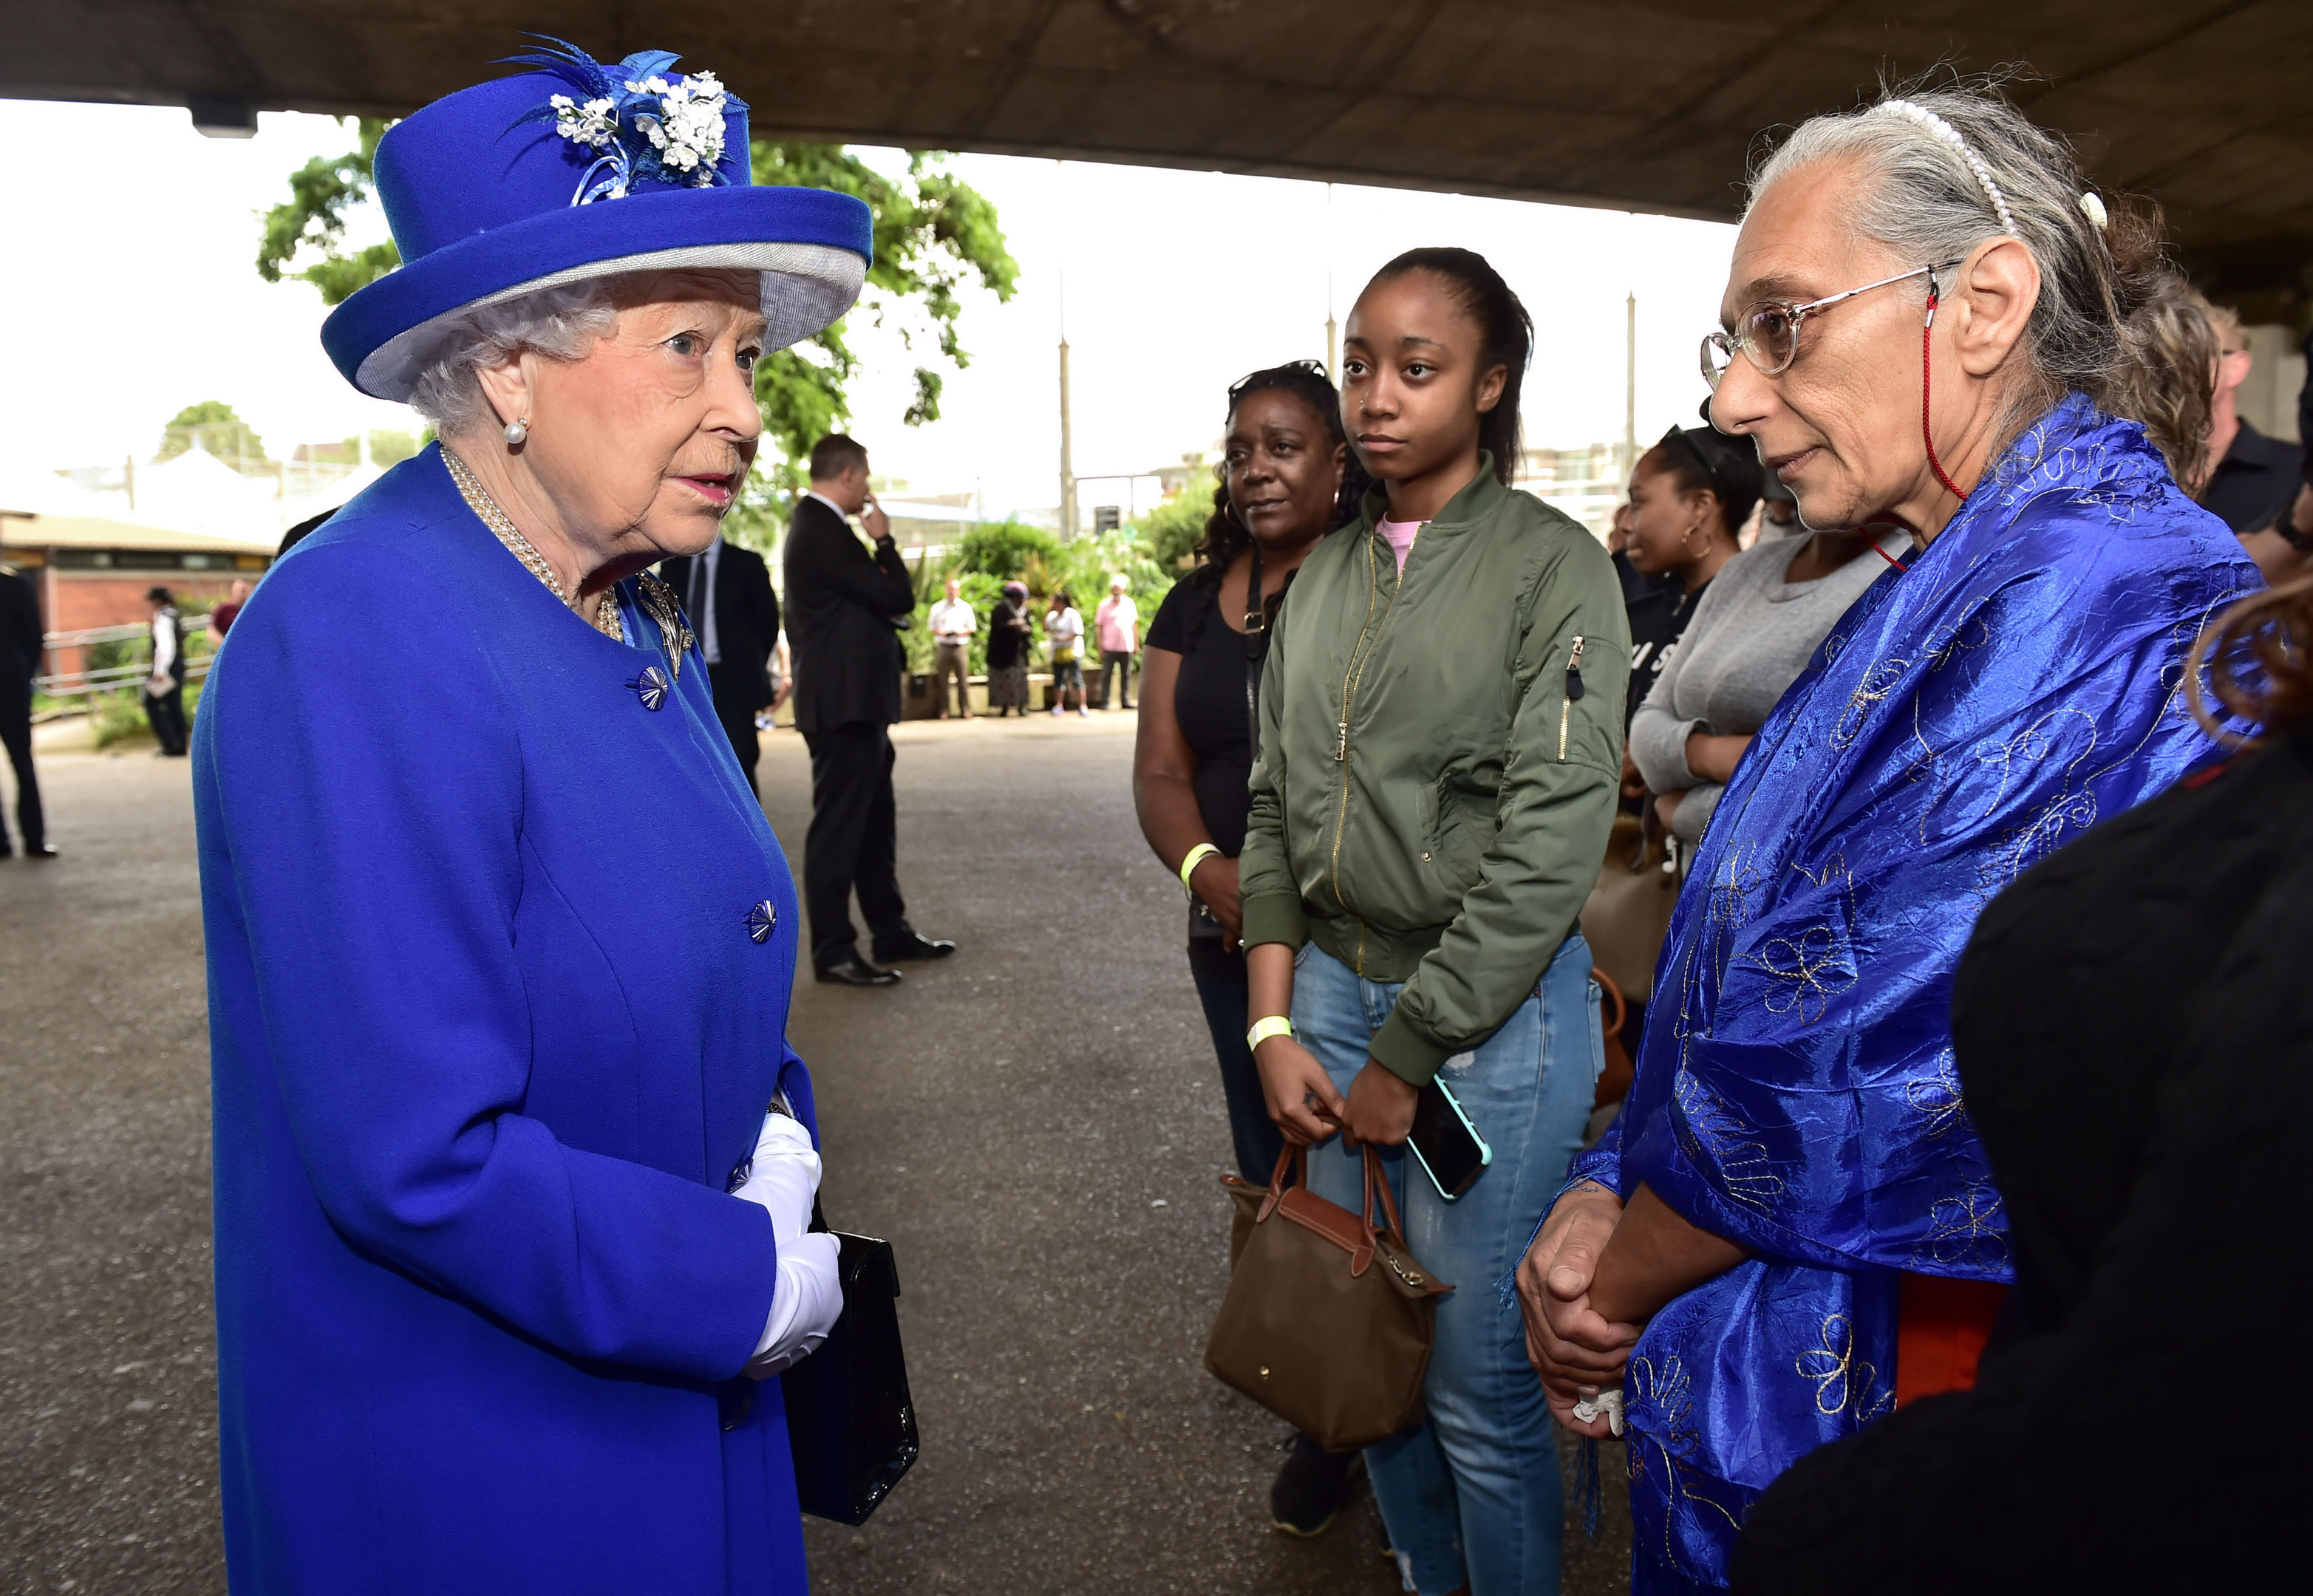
1035 1124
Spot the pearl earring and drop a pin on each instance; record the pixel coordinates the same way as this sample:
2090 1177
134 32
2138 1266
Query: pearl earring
516 431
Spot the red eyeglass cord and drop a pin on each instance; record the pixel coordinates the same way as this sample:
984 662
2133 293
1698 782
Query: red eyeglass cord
1927 337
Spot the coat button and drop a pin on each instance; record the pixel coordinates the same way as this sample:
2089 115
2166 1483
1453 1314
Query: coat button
762 920
650 687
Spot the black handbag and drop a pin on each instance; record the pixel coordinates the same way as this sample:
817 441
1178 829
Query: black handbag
852 1424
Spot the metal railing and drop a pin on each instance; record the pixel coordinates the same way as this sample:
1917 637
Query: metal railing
67 684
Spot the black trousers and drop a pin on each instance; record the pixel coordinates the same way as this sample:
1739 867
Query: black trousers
734 707
1118 660
16 731
853 843
166 711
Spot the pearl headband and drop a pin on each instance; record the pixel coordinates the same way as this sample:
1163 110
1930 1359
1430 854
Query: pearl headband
1949 135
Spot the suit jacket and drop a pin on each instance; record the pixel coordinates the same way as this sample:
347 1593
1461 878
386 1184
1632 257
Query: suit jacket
19 633
746 619
842 602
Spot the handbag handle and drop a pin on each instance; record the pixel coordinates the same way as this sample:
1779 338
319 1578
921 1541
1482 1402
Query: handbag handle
1295 1160
1288 1158
1377 1179
1621 1005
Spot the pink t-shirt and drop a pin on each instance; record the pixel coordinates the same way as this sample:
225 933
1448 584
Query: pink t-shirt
1116 623
1400 536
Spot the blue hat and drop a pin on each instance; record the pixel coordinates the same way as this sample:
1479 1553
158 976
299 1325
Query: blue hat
579 171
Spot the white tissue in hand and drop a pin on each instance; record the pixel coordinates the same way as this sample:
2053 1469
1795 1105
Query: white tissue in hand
784 1177
805 1305
1608 1402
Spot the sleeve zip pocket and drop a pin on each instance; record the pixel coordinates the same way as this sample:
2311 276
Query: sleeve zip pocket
1574 689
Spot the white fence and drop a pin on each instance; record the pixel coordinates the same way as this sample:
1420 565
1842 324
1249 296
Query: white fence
67 684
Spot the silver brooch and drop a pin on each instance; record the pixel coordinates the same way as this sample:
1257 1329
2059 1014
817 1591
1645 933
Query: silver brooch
658 603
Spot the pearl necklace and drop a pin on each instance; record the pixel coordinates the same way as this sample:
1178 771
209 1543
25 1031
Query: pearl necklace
605 619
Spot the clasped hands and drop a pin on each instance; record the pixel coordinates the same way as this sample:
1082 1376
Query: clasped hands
1578 1351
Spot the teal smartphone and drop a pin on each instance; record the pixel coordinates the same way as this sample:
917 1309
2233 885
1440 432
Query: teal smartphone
1447 1147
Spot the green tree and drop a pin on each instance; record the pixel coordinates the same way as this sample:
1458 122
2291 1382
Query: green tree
312 227
934 233
1172 529
1003 549
212 424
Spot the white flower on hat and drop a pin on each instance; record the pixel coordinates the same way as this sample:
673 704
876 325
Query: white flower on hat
594 124
642 127
688 133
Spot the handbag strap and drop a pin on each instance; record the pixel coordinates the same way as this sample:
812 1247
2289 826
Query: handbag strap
1295 1162
1289 1159
1377 1179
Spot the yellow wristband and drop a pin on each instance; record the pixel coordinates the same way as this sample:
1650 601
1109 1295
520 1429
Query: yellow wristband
1197 856
1262 1029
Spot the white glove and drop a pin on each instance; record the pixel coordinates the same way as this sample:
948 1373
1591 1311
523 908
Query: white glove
808 1298
805 1306
784 1177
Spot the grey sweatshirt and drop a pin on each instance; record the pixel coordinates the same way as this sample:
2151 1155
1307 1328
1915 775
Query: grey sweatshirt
1750 638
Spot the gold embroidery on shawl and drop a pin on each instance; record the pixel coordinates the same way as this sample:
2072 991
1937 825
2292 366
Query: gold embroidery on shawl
1842 1384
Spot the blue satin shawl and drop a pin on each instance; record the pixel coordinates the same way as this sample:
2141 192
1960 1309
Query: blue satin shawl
1795 1089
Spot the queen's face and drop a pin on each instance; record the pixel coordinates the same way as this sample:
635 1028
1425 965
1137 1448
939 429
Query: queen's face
647 437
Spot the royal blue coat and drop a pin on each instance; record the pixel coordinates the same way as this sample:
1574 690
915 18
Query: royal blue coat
489 1026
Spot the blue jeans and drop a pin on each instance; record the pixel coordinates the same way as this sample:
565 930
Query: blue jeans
1474 1491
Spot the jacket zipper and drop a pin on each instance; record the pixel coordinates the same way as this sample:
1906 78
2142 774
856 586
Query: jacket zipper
1573 691
1358 658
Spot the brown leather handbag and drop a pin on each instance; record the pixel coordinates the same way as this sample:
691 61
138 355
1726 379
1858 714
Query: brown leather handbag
1327 1321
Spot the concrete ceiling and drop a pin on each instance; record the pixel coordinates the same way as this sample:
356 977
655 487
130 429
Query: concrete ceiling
2206 104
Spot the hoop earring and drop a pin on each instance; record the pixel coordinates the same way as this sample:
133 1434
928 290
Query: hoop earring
516 431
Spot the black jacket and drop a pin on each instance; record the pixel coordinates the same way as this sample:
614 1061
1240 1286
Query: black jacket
19 633
842 603
746 619
1008 643
2255 484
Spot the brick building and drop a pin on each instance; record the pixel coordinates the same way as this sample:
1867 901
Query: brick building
91 573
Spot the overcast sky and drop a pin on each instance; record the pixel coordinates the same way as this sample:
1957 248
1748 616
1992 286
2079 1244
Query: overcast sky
126 265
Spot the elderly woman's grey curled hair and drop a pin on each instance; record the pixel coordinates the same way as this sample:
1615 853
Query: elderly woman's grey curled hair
2100 282
562 322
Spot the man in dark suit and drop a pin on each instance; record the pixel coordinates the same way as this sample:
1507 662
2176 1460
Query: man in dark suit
845 611
20 662
727 593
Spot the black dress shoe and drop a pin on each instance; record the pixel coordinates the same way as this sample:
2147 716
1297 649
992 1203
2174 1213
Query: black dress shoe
916 945
852 971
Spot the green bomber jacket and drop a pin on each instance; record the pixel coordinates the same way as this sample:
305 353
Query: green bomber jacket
1438 761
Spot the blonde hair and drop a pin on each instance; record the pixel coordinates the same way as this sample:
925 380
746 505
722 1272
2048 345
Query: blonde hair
2170 384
